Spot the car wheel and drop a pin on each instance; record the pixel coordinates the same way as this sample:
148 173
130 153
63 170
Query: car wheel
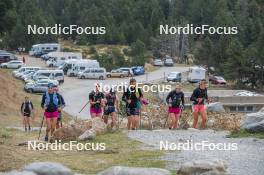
30 90
82 77
121 76
101 78
5 67
109 76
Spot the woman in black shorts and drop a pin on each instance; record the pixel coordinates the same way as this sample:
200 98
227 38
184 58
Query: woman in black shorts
26 111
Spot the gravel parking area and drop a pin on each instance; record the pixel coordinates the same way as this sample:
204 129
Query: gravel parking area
247 159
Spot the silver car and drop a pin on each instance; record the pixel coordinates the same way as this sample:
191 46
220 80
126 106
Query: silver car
158 62
38 86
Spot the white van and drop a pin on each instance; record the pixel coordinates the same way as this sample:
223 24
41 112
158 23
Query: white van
39 49
52 74
93 73
58 58
82 65
196 74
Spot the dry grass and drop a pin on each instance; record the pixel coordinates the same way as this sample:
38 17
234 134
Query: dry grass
120 150
11 97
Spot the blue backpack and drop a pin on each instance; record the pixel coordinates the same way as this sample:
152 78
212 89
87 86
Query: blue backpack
55 99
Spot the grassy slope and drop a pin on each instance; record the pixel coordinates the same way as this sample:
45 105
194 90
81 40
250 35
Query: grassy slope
119 149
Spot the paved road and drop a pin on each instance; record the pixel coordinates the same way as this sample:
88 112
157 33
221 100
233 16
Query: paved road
76 91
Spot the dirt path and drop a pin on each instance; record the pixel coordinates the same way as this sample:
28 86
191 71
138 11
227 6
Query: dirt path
247 159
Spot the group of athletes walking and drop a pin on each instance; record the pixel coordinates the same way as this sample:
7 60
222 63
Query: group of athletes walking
106 105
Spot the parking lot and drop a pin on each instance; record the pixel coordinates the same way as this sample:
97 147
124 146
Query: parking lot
76 91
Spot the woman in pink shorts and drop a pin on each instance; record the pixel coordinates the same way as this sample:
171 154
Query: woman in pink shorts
50 103
175 100
96 99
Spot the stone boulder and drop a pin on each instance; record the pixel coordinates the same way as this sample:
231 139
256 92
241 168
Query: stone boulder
203 167
253 122
120 170
215 107
255 127
73 130
47 168
98 127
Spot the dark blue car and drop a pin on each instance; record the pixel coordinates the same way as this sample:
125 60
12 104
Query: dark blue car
138 70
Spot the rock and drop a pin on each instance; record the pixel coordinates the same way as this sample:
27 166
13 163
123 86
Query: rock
72 131
18 173
88 134
252 118
203 167
255 127
98 126
215 107
48 168
120 170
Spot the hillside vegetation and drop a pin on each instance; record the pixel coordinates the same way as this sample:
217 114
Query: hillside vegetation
238 57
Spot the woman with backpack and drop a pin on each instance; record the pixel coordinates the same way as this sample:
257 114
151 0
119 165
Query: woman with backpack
110 108
26 111
132 96
96 100
51 104
175 100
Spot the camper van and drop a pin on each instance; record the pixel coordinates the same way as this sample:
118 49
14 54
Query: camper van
196 74
58 58
6 56
82 65
68 65
52 74
40 49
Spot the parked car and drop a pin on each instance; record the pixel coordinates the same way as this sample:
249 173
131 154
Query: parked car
93 73
33 80
174 77
38 86
25 74
21 70
15 64
168 62
116 73
217 80
52 74
128 70
138 70
44 57
158 62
